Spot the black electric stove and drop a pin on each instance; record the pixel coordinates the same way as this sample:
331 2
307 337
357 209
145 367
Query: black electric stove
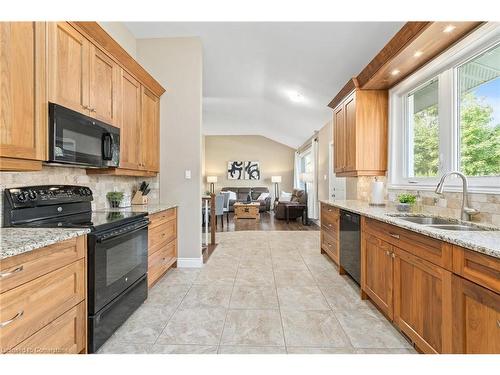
117 248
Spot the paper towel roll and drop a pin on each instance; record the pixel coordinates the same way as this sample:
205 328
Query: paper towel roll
377 194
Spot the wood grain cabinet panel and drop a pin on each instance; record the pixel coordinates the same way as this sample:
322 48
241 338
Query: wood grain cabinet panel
23 103
330 246
160 261
104 90
422 302
161 234
350 133
377 272
476 318
339 139
479 268
69 67
150 130
65 335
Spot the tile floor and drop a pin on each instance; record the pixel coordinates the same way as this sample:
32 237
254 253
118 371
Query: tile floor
260 292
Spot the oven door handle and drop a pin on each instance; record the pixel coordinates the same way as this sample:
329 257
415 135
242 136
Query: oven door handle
107 146
101 239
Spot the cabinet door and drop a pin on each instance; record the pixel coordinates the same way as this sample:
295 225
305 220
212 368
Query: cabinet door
422 302
476 318
350 133
68 53
150 130
104 77
23 107
377 272
339 139
130 122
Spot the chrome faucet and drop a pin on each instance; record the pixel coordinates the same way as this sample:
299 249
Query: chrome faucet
467 211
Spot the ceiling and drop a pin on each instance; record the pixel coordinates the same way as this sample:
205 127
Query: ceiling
250 70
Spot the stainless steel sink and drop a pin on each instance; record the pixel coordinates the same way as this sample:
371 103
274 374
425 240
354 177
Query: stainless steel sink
442 223
428 220
460 227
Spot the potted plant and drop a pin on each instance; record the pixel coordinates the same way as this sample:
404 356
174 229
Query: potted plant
115 198
406 200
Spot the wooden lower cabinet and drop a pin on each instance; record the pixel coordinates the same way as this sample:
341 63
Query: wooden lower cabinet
330 219
422 302
377 272
476 318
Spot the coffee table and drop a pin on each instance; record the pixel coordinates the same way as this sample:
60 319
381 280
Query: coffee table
246 210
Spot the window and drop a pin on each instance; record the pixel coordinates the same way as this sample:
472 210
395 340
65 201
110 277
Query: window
446 117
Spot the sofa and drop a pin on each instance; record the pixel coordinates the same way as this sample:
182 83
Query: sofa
298 196
242 193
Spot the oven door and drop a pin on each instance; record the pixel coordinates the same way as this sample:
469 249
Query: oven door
117 258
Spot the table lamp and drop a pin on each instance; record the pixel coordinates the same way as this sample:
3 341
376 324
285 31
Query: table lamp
276 180
212 180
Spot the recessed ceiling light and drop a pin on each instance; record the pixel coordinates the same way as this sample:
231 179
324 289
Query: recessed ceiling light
395 72
418 54
295 96
449 28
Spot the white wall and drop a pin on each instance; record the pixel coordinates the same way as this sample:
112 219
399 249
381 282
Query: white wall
122 35
177 64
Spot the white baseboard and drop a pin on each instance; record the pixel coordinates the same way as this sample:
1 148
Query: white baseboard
189 262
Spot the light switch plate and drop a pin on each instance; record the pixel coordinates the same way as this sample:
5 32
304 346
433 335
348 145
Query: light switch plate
187 174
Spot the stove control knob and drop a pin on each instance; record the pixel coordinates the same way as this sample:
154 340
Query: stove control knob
22 196
32 194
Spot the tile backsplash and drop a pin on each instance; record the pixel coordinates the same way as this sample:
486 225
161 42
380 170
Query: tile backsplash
100 184
449 204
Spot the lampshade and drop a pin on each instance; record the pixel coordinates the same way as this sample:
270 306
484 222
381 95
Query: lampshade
276 179
211 178
306 177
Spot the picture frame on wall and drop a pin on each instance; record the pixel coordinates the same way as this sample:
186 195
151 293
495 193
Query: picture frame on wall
235 170
252 170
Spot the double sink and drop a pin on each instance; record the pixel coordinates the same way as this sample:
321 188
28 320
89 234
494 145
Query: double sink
442 223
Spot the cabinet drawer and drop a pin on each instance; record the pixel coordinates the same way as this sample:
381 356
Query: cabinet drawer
329 218
160 261
330 245
161 234
428 248
479 268
65 335
20 269
162 217
33 305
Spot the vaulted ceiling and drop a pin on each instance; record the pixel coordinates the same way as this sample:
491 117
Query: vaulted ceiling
274 79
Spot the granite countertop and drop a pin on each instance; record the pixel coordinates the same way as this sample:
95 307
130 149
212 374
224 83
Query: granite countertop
486 242
149 208
15 241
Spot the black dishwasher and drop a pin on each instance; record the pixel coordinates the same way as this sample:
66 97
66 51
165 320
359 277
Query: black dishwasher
350 244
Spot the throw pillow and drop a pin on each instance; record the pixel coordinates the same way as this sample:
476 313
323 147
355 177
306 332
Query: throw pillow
285 197
232 195
263 196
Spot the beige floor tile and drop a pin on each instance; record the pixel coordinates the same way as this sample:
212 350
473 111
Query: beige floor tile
216 275
166 294
386 351
183 349
252 350
116 347
344 297
253 327
369 329
306 350
318 329
255 276
307 297
256 262
180 276
293 277
207 296
254 297
194 326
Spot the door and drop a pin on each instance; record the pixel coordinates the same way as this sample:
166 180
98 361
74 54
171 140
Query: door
151 130
476 318
23 108
377 272
69 60
422 302
130 122
104 78
350 133
336 185
339 139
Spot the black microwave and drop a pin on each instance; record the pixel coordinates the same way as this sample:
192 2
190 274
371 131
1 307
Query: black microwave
77 139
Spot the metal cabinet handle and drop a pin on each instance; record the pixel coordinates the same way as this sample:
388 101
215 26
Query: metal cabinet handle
498 323
394 235
92 109
387 252
7 322
393 255
15 270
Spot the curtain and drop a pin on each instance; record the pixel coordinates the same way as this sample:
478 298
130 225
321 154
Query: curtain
312 199
296 171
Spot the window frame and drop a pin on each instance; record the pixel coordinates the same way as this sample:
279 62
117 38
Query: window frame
445 69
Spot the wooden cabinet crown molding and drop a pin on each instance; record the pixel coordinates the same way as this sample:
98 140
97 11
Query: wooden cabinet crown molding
95 32
350 86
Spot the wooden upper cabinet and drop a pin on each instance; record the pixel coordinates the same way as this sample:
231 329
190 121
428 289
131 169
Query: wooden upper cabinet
360 133
377 272
23 107
104 92
130 122
69 67
150 130
476 318
422 302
